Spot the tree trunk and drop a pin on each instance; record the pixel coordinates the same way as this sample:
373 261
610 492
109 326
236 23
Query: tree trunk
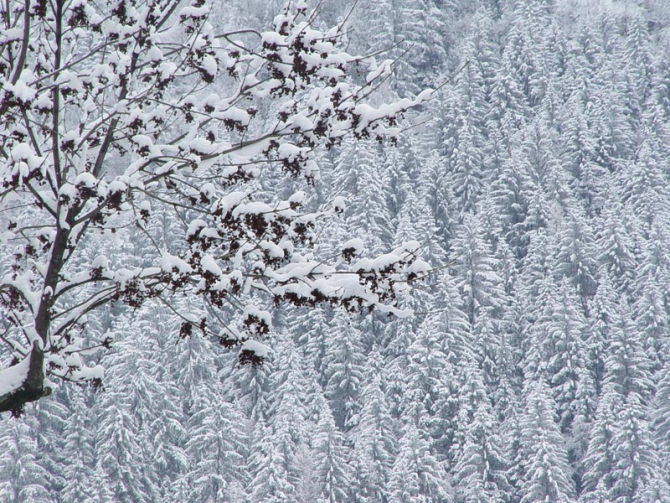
33 386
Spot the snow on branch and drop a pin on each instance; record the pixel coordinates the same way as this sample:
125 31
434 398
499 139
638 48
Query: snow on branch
115 112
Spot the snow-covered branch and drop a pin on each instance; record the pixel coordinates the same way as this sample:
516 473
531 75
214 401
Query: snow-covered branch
110 113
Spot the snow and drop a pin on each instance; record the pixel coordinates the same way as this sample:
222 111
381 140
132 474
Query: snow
12 378
193 11
117 186
274 250
43 102
377 263
167 69
195 226
272 37
209 65
311 169
201 146
85 180
381 71
21 91
89 373
208 190
251 150
255 207
419 267
384 380
73 360
214 101
291 152
368 114
69 192
355 244
154 53
264 316
260 349
301 122
339 204
21 152
142 140
123 275
328 73
230 201
169 263
209 232
208 264
11 34
234 114
298 197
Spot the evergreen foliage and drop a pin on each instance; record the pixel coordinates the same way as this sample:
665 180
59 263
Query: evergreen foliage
535 182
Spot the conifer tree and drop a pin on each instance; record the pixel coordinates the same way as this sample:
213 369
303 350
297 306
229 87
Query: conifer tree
378 20
314 327
472 392
466 163
375 443
567 367
280 445
250 387
417 475
535 183
480 473
451 326
216 448
53 417
621 460
661 428
546 472
479 283
344 362
22 476
638 64
509 203
512 426
575 254
331 458
269 467
599 459
362 178
427 365
121 441
81 482
617 243
421 26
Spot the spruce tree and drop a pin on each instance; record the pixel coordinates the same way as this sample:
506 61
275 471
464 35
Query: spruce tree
22 475
544 460
374 440
417 475
331 458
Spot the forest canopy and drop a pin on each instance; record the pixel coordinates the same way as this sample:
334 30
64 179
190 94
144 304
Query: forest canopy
535 367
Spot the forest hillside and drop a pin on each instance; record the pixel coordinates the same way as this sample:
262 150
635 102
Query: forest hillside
536 366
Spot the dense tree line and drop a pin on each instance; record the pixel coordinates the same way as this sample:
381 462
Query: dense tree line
535 367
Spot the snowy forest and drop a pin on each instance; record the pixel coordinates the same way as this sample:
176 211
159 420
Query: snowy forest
535 366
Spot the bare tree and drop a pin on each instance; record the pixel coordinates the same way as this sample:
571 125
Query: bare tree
107 112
